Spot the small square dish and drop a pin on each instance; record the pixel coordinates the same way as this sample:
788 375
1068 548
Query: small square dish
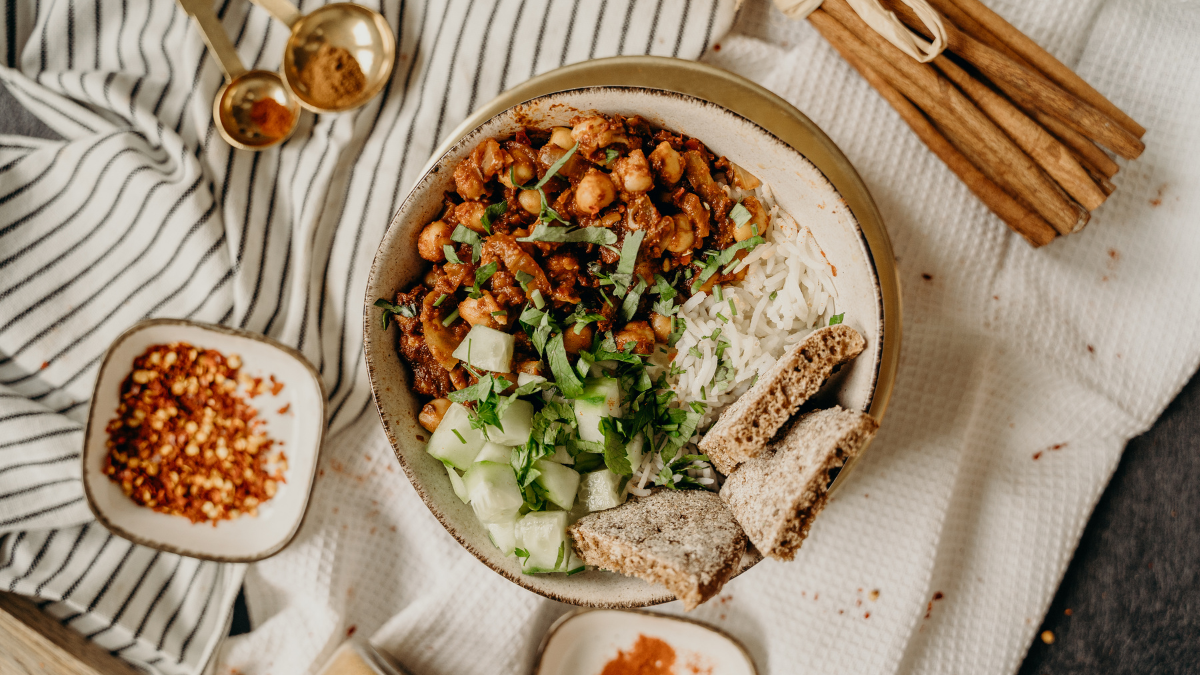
292 410
590 641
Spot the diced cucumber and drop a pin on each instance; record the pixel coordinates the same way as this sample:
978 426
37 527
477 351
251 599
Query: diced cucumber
517 421
601 398
633 450
601 490
455 441
493 491
574 564
494 452
606 390
456 481
560 482
525 378
543 534
503 535
561 455
486 348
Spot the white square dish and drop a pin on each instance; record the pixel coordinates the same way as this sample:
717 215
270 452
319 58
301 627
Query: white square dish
299 428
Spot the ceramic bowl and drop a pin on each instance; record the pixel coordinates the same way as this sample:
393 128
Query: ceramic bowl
300 428
584 641
801 189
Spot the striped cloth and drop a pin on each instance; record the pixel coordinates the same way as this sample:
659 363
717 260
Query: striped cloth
141 210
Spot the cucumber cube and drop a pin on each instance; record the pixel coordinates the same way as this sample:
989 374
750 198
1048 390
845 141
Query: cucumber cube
517 421
601 490
493 491
543 534
494 452
458 449
525 378
601 398
560 482
504 536
456 481
486 348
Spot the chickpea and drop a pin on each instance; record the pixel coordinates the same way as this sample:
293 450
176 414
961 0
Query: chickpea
479 312
524 166
594 192
470 214
592 132
637 333
662 325
561 136
432 239
758 220
683 238
531 367
633 173
431 415
431 277
576 341
666 163
531 201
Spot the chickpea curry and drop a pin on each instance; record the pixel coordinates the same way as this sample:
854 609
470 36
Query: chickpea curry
584 232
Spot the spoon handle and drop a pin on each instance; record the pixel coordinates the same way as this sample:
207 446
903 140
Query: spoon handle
280 9
215 36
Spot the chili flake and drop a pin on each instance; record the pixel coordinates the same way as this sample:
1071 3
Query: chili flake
187 442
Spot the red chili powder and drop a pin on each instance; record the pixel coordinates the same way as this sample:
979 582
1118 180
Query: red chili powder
271 118
649 656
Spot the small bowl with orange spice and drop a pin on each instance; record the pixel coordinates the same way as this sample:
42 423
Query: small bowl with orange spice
203 440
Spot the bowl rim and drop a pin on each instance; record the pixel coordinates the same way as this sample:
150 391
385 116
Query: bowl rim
161 546
646 73
578 611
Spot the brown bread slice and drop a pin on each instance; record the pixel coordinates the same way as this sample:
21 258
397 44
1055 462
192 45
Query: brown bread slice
686 540
776 496
747 426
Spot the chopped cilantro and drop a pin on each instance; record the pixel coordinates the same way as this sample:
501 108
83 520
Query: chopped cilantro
609 156
536 297
460 437
407 311
836 319
440 300
584 235
451 256
739 214
491 213
451 318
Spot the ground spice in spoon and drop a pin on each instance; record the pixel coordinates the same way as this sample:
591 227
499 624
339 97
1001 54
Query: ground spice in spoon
649 656
333 77
272 119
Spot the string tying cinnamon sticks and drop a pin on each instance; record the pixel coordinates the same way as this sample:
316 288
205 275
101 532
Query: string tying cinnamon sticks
1014 124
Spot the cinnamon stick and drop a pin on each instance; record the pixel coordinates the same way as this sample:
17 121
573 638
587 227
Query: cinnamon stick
1093 156
1046 150
1046 63
1031 88
962 123
1017 216
971 27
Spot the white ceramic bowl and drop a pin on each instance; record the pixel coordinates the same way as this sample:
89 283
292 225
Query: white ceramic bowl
801 189
300 428
584 641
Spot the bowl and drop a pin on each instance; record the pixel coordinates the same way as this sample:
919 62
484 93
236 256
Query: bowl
802 189
582 642
300 428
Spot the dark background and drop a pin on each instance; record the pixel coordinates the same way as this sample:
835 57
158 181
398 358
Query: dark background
1133 588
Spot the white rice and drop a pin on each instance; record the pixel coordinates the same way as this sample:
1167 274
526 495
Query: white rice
788 292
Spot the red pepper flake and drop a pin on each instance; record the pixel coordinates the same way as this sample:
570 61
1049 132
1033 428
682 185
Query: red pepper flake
351 630
284 410
186 442
276 386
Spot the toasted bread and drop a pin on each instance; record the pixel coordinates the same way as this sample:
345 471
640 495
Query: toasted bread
776 496
686 540
746 428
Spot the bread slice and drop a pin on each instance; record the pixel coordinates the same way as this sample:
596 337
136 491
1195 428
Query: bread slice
776 496
747 426
686 540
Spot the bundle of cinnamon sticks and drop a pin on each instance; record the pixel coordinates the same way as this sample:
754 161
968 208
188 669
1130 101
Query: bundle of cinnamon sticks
1017 126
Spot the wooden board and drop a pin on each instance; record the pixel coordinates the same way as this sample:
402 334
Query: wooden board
34 643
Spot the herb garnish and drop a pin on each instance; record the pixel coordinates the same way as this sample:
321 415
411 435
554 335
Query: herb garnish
836 319
493 212
407 311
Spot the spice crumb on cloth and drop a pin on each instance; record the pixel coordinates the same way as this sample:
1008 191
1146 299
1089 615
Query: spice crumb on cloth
187 442
333 77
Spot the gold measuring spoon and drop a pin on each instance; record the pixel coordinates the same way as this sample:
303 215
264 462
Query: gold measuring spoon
309 63
253 109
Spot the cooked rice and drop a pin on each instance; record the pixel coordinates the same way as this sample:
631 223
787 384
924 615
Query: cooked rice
791 267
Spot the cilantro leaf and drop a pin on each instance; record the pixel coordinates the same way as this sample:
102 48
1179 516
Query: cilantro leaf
716 261
564 375
408 311
566 235
836 319
615 456
465 235
629 251
739 214
630 305
451 256
493 212
609 156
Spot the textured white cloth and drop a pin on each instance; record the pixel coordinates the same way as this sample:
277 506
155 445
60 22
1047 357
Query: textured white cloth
1008 352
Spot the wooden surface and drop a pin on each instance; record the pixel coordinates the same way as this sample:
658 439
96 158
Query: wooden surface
34 643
